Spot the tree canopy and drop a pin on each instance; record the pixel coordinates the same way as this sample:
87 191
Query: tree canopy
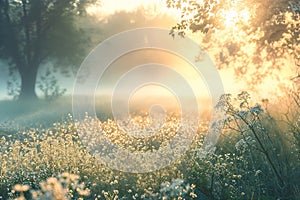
34 32
257 38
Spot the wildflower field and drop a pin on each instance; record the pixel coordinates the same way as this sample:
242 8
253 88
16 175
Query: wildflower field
149 100
256 157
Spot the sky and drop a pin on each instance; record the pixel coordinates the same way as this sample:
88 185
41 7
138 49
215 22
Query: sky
156 13
114 16
152 8
111 17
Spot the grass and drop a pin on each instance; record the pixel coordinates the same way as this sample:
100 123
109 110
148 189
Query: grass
256 157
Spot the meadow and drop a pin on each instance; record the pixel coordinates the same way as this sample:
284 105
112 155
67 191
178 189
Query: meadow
256 156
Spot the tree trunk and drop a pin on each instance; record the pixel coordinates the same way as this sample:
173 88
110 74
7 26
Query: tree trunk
28 81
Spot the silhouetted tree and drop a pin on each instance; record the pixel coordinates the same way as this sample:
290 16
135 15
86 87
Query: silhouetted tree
34 32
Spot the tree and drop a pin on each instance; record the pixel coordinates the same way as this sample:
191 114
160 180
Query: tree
258 40
251 37
34 32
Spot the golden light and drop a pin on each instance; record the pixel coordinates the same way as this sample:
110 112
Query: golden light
92 9
233 17
245 15
151 8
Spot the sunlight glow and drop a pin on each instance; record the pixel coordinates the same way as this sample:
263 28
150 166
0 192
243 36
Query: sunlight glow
151 8
233 17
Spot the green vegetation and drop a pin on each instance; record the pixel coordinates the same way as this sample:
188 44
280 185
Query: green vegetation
36 33
256 157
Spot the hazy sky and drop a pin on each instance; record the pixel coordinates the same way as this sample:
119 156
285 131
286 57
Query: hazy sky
152 8
155 13
114 16
106 20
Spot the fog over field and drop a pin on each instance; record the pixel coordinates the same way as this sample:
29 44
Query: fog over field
149 99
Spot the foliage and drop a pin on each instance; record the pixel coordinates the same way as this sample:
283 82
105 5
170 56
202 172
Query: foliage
42 153
291 116
256 157
66 186
33 33
13 85
260 133
49 86
257 39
